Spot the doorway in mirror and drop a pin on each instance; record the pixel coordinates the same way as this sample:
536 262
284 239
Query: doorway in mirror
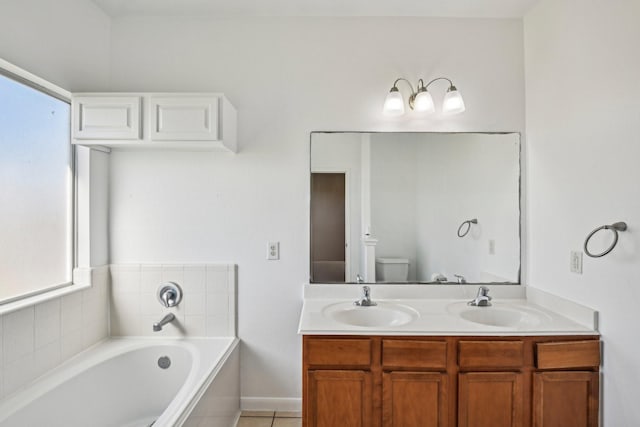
328 230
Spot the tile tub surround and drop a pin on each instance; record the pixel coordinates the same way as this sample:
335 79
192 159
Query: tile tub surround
208 307
35 339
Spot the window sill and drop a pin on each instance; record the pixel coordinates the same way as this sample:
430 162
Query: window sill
81 281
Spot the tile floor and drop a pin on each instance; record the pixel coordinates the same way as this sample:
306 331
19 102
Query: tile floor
270 419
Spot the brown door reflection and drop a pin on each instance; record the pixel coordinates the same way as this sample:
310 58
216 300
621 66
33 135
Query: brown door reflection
328 227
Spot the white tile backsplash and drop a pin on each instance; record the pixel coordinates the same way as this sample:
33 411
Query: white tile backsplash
173 273
150 278
195 279
37 338
207 309
47 323
18 335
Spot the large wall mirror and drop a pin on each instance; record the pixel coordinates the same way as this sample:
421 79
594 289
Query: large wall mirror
415 207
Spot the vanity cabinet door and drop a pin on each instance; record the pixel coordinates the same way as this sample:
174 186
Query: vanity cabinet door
491 399
414 399
338 398
565 399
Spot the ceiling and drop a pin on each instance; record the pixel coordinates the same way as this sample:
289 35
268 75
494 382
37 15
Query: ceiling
227 8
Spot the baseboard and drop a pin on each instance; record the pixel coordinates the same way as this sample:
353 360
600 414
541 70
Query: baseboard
283 404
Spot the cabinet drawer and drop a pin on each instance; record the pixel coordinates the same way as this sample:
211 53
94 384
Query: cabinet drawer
414 354
568 354
491 354
354 353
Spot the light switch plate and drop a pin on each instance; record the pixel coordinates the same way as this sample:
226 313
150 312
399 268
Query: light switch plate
575 265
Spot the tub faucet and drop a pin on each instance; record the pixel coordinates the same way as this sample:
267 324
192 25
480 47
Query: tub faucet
482 298
157 327
461 279
365 299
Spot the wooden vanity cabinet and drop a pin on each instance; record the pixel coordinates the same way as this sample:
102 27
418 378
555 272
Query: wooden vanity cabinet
373 381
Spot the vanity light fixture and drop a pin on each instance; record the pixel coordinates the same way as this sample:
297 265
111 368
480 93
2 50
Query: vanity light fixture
421 101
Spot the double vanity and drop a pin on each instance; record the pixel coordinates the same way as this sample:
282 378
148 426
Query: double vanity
423 356
439 209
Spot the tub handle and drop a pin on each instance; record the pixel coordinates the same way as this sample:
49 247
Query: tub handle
170 294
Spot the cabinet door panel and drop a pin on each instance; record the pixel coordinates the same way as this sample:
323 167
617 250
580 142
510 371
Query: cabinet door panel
338 398
491 399
565 399
184 118
106 117
414 399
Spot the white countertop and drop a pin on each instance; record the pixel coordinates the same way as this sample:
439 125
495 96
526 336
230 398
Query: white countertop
440 316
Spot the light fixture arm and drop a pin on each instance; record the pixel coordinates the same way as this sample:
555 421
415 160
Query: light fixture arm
434 80
395 84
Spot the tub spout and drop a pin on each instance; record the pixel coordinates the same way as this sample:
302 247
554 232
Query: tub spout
166 319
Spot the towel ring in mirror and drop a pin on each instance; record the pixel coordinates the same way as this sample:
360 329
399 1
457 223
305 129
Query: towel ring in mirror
618 226
468 224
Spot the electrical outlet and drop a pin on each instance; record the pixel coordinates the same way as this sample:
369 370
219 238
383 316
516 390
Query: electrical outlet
273 251
575 265
492 247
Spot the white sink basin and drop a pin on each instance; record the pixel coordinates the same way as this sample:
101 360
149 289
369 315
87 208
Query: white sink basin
381 315
506 316
492 316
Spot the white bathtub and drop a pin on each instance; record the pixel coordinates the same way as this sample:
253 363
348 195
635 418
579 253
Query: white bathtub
118 383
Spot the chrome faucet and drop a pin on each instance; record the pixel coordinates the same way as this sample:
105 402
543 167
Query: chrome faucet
157 327
359 279
365 299
461 279
482 298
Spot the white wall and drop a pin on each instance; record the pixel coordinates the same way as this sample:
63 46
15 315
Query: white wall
286 77
583 127
65 41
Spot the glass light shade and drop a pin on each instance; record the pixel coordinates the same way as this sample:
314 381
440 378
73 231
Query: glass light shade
453 102
423 103
393 104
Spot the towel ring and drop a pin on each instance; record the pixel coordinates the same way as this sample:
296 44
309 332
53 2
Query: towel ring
618 226
468 223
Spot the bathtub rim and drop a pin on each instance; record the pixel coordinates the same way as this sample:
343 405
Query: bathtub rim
182 403
179 415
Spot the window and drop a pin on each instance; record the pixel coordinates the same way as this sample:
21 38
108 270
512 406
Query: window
36 191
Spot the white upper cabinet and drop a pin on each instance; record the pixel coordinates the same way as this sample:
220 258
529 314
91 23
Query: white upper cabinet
183 121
